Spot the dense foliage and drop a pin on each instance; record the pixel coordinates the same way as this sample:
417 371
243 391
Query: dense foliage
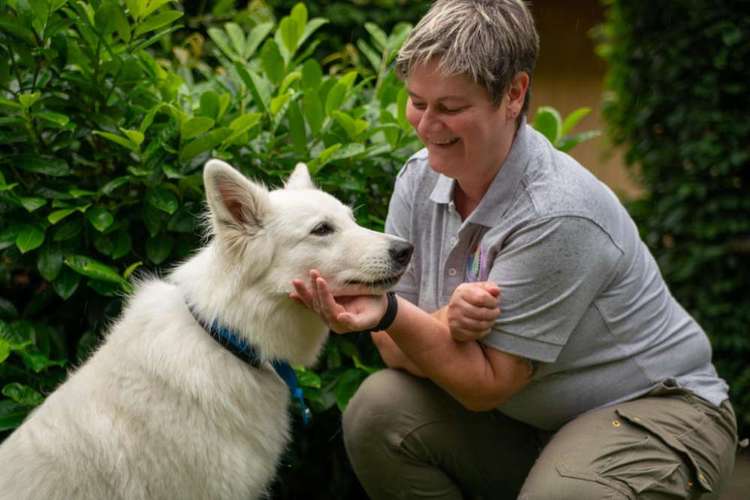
679 87
110 109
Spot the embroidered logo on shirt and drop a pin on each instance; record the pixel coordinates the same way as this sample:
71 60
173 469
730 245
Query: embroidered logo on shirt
476 265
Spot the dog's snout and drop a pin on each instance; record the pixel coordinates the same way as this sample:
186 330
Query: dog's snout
400 252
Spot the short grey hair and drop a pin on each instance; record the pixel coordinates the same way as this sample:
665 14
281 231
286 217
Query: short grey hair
489 40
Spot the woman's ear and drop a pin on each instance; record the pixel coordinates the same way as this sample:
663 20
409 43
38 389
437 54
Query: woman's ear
519 86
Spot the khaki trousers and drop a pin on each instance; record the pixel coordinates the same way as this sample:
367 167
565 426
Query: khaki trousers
408 439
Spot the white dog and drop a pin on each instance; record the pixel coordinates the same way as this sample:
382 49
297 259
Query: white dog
163 410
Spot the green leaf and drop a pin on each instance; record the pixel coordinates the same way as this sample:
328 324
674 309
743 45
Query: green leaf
348 151
58 215
297 128
313 110
66 283
29 238
12 415
157 21
257 86
39 362
337 94
91 268
290 35
204 143
4 350
152 5
159 248
32 203
22 394
122 141
378 35
100 218
325 156
372 57
115 183
67 230
8 236
28 99
122 26
236 36
163 199
242 124
272 62
209 105
278 102
131 269
121 245
312 75
57 119
135 136
567 143
136 8
54 167
220 39
307 378
310 28
346 385
196 126
353 127
572 120
254 39
49 262
548 122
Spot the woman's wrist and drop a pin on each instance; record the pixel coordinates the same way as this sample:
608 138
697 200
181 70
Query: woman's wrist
391 310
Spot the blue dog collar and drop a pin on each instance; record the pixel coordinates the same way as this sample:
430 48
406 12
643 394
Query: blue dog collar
249 354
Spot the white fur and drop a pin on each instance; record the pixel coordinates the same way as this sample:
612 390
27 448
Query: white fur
163 411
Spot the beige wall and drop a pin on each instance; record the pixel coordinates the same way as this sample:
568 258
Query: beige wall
570 75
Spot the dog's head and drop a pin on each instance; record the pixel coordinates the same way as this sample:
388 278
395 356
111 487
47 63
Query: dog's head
276 236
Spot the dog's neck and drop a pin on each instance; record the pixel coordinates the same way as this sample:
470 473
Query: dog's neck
249 354
268 319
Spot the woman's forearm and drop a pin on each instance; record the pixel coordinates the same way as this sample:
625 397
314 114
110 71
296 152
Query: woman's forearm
479 378
392 355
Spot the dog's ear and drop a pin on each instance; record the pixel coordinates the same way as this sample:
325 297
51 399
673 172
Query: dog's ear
233 199
300 178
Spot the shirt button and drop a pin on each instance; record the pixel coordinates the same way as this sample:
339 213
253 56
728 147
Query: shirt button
452 271
453 240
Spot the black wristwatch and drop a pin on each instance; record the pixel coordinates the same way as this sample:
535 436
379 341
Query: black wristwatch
390 314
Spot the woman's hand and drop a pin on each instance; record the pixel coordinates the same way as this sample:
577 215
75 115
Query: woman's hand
342 314
472 310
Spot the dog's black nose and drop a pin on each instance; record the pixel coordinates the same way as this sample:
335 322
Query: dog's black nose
400 252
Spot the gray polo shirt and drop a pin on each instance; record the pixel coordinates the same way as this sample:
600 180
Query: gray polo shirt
581 293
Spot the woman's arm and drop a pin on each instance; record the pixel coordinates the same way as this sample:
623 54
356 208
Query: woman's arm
479 377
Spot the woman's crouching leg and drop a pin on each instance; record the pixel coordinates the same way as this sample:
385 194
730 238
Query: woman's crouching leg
407 439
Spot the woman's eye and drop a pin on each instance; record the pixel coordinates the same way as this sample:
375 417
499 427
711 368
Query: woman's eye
322 229
452 111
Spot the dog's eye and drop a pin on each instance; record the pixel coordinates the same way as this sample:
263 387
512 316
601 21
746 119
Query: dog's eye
322 229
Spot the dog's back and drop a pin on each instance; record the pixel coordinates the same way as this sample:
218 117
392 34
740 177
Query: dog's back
160 411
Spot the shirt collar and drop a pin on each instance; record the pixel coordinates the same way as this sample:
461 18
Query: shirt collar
499 196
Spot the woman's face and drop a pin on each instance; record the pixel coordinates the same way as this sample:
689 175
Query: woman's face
466 135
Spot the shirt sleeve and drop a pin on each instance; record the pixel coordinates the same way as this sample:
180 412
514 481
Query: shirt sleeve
549 274
398 222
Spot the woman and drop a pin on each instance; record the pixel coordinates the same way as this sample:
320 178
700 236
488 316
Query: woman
593 382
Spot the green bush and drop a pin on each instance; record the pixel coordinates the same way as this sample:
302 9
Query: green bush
678 82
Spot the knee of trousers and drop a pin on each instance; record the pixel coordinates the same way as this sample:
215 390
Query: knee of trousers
374 417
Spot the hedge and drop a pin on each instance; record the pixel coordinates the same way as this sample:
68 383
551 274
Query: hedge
679 104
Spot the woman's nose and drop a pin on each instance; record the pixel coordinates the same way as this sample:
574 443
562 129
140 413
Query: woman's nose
428 122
